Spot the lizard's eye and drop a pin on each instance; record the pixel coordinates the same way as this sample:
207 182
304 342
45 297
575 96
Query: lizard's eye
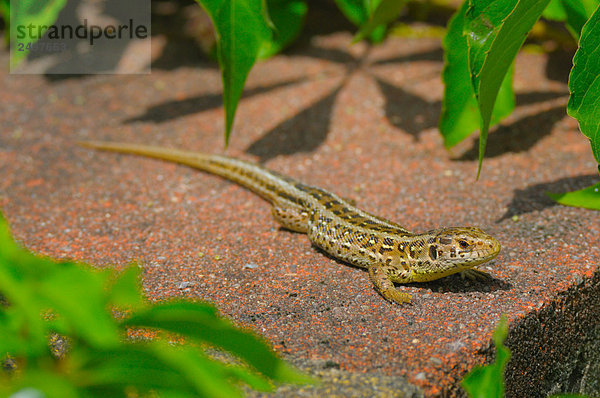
463 244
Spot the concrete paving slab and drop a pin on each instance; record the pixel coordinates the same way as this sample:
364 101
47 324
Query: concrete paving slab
360 122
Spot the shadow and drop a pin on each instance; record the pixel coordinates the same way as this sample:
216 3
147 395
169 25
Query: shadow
434 55
559 64
67 16
322 19
302 133
457 284
173 21
181 52
534 97
451 284
533 198
104 55
519 136
178 108
408 111
329 54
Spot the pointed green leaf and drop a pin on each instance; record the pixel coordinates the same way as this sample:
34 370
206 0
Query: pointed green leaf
588 198
460 114
495 32
201 322
359 13
354 10
241 33
488 381
385 12
584 83
287 19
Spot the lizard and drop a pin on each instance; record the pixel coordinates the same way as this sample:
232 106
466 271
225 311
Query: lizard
389 252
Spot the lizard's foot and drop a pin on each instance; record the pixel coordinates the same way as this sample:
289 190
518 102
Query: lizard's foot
294 219
384 285
475 275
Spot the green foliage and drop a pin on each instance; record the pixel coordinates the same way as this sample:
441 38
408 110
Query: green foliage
584 84
38 13
286 18
244 30
42 299
460 115
242 27
488 381
573 13
495 33
380 14
371 16
583 103
588 198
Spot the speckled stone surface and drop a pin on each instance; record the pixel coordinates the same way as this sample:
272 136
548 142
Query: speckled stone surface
360 122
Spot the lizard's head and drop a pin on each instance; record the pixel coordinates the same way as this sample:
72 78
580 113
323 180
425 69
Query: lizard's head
461 247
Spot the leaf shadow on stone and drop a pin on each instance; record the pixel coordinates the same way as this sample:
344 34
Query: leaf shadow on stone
103 56
407 111
434 55
534 97
559 64
178 108
180 48
534 198
519 136
304 132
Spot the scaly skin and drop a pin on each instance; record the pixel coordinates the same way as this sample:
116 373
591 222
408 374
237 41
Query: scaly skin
389 252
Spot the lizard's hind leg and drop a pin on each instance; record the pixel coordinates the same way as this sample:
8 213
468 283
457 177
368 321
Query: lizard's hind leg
291 217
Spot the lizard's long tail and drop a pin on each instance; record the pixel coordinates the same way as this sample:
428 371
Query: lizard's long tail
263 182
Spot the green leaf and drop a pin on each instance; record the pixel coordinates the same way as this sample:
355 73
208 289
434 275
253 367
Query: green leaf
241 30
588 198
385 12
574 13
354 10
161 367
584 84
359 12
252 379
39 297
488 381
201 322
145 367
287 19
555 11
125 288
19 273
39 383
24 13
460 114
495 32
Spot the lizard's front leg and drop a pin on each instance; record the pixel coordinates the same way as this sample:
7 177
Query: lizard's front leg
384 285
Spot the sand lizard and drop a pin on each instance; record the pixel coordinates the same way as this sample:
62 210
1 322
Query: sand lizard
389 252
